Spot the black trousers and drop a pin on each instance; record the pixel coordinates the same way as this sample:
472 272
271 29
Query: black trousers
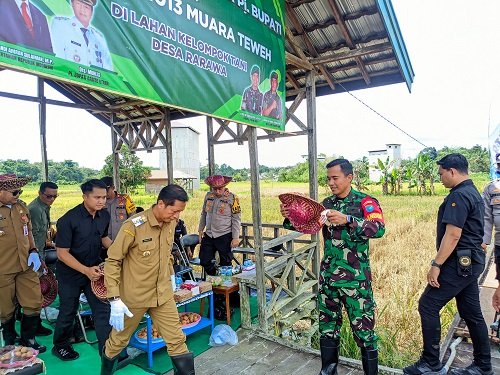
69 293
208 248
465 290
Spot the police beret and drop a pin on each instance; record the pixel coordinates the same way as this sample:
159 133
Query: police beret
11 181
274 75
255 69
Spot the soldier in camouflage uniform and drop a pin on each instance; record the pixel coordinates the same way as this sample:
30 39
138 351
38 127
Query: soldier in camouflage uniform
271 104
345 276
252 97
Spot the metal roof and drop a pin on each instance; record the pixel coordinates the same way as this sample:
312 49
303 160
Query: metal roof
352 44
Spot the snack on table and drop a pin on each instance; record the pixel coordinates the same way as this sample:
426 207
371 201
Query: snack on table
214 280
18 356
182 295
205 286
189 319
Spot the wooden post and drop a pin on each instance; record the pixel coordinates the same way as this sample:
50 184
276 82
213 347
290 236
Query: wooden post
168 137
257 227
116 154
210 143
42 116
312 145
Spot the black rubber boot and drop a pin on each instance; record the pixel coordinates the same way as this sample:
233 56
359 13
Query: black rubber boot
329 355
9 332
108 365
369 358
183 364
41 330
29 325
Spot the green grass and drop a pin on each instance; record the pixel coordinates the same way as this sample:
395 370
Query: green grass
400 260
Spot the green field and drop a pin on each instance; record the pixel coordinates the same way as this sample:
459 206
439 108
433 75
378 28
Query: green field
400 260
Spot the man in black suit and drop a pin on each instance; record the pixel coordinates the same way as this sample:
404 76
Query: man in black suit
22 23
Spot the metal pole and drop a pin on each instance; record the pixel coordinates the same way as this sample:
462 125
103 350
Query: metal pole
42 116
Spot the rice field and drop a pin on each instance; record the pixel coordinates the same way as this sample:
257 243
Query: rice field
400 260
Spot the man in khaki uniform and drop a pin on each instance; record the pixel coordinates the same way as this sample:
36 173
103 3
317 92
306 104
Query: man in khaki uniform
221 219
137 277
19 261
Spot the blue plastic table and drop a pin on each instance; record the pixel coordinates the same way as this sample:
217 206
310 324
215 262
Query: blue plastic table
149 346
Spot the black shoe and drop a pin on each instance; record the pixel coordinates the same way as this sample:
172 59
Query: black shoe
33 344
471 370
108 365
329 355
183 364
422 367
41 330
65 353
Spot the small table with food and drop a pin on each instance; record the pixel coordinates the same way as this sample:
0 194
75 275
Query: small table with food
147 338
19 360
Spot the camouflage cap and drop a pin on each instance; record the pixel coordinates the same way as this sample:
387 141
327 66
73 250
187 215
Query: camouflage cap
11 181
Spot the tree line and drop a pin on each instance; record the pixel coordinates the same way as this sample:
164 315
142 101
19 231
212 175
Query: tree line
418 175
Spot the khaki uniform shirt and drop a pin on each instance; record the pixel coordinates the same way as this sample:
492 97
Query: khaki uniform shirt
120 209
221 215
15 226
140 263
40 220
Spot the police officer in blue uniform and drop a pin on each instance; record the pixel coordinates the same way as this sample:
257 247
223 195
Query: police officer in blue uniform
76 40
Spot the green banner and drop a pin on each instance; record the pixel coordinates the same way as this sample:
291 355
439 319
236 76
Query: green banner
222 58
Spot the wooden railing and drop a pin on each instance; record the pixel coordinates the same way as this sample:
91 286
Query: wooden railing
288 273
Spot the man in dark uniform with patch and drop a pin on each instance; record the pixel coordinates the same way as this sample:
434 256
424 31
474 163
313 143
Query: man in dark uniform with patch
454 272
81 232
345 276
137 277
252 97
19 262
220 221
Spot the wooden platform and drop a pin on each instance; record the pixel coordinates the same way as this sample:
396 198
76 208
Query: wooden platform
257 356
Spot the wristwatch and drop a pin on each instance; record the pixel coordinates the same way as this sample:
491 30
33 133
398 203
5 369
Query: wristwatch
435 264
349 219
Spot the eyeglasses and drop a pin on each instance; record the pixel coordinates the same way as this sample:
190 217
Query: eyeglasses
49 196
15 193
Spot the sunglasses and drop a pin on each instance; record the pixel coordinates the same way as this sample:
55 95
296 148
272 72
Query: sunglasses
49 196
15 193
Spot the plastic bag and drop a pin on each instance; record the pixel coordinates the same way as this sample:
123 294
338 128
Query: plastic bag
222 335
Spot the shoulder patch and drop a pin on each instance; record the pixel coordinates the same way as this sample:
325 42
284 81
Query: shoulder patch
371 209
129 232
236 208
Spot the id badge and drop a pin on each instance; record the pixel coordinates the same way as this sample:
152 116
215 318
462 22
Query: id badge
25 229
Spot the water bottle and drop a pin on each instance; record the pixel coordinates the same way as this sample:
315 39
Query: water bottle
178 282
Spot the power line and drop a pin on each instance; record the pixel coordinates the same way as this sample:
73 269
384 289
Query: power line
380 115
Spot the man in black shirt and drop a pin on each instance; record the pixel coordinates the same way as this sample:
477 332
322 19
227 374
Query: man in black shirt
454 272
80 234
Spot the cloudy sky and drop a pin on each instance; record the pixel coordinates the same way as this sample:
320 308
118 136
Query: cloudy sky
455 53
